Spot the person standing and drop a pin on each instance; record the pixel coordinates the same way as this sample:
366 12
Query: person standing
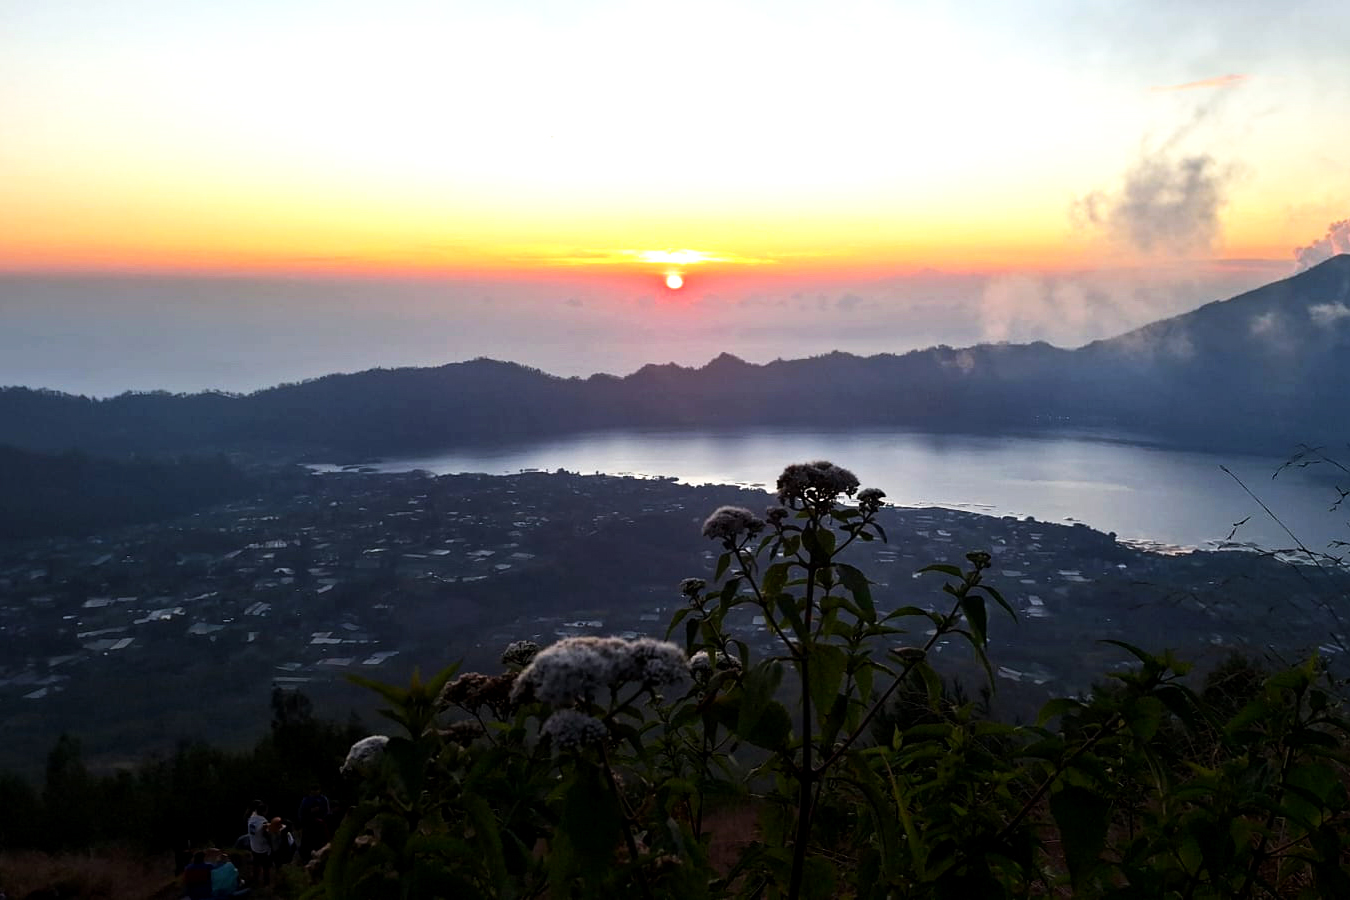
313 820
282 839
259 844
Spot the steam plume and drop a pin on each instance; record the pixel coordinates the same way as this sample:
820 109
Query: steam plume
1336 240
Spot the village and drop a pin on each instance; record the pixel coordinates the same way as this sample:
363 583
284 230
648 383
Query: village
181 629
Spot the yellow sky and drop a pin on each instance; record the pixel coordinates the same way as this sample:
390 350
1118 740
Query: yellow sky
305 136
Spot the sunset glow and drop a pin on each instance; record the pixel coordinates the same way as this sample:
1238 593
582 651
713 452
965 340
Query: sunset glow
188 138
895 159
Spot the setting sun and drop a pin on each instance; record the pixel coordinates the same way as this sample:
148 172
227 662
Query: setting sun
674 281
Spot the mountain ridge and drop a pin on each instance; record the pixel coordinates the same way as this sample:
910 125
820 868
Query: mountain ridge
1263 369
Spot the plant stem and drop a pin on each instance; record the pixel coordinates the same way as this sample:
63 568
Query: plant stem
627 825
805 776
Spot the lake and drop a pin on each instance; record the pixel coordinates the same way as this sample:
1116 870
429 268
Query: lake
1147 495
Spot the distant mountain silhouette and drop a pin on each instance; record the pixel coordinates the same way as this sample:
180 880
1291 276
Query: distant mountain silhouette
1258 372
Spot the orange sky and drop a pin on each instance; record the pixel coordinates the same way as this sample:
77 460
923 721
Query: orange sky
235 194
312 137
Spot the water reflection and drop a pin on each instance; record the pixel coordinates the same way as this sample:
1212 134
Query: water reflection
1145 494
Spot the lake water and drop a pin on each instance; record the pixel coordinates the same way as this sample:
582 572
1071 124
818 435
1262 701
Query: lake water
1144 494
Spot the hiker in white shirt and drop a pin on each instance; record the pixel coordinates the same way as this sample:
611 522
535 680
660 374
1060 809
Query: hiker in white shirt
259 844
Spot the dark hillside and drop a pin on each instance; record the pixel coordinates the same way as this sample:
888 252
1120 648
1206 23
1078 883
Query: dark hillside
1257 373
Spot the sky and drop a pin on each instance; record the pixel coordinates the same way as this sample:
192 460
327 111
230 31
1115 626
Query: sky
206 195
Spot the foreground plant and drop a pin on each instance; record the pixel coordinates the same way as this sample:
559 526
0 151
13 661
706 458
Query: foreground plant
589 768
841 657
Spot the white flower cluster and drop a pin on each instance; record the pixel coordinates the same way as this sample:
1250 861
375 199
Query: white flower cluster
702 665
575 669
572 730
518 654
365 755
728 523
870 499
814 484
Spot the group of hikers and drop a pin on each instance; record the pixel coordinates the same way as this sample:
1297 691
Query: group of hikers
271 843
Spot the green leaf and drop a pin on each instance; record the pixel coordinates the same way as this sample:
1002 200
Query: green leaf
972 606
863 676
1058 707
857 584
742 652
775 578
932 681
944 569
787 607
723 563
819 542
757 690
1315 781
827 671
1144 717
676 619
904 611
1083 817
1143 656
998 598
488 840
1181 702
770 725
772 728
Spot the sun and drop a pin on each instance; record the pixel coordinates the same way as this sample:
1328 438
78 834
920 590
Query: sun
674 281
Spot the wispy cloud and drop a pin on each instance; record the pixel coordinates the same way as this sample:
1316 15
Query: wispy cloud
1169 200
1165 204
1218 81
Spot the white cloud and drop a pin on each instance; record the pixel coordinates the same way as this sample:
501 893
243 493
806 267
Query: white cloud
1336 240
1328 314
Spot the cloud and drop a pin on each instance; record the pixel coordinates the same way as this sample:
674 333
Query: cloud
1168 201
1020 308
1336 240
1165 204
965 361
1271 329
1265 324
1153 344
1328 314
1219 81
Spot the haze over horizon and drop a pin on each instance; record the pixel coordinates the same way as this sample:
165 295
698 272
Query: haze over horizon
238 196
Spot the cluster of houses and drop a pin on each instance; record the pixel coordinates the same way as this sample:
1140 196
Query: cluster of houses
360 573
